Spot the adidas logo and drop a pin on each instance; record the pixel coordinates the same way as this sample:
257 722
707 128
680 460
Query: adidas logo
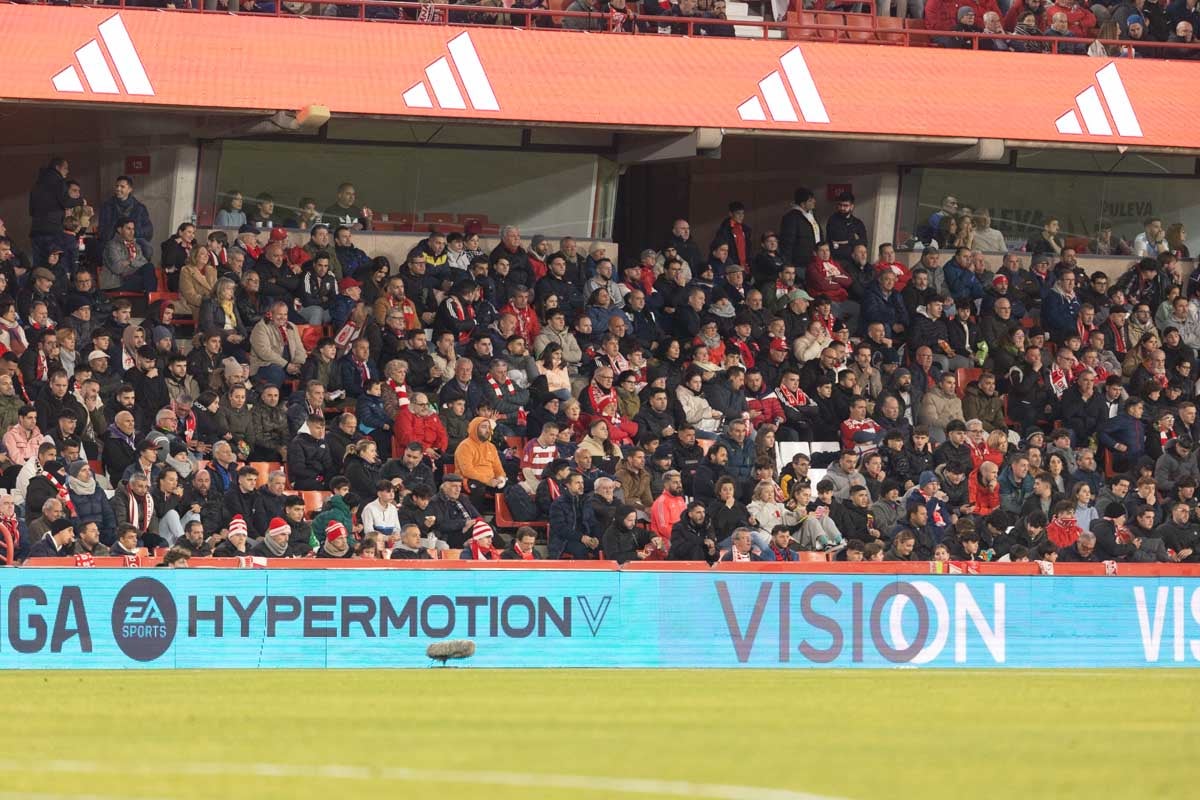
1091 102
440 75
780 104
99 77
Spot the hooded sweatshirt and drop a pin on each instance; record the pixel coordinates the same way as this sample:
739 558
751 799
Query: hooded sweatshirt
475 460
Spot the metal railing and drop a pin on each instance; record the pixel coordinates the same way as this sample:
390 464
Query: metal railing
852 29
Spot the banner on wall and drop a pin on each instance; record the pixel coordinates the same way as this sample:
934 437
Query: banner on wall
105 619
98 55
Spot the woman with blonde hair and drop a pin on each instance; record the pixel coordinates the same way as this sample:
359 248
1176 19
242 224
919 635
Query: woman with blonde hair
197 280
765 508
966 232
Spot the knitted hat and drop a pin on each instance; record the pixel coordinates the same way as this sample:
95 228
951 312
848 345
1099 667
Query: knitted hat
334 531
278 235
238 525
75 467
481 530
1114 510
927 477
277 526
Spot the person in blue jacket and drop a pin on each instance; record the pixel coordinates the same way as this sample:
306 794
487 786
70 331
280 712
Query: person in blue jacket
779 550
1060 308
1125 435
881 303
961 281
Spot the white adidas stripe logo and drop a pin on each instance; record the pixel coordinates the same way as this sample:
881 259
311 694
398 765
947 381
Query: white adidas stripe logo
440 75
95 68
779 104
1091 102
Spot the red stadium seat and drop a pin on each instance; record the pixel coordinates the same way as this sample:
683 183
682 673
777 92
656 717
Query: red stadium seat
890 24
812 555
965 376
314 501
803 29
862 28
504 516
264 469
824 18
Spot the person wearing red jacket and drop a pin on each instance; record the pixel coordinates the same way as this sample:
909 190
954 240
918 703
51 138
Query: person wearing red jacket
1063 530
528 326
983 489
416 422
826 277
1080 19
887 261
942 15
1019 9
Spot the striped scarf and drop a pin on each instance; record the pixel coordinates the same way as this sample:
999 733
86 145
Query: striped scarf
61 489
401 393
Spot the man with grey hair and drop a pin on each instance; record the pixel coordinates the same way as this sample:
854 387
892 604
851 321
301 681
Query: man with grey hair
1060 26
1083 550
741 547
992 25
518 258
52 510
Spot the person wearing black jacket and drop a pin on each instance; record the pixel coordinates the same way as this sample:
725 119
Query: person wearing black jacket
49 200
1083 407
655 417
691 537
241 500
701 482
955 448
799 230
1181 534
623 539
56 543
852 517
1108 546
521 546
844 230
452 512
310 464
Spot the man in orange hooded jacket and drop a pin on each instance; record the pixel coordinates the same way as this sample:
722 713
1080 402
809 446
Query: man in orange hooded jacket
478 461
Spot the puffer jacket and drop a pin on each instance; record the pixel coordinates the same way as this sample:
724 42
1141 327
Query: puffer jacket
309 459
988 410
1013 493
96 508
428 431
938 407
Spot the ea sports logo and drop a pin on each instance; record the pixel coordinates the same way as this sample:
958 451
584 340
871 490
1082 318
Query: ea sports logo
144 619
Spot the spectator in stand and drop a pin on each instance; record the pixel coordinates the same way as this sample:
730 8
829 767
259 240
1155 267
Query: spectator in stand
49 200
127 264
1060 28
843 229
799 230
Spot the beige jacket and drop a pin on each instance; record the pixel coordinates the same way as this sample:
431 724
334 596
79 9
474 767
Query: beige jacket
194 286
266 346
939 407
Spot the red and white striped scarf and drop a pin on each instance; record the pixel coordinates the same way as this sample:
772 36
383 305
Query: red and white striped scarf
61 489
508 390
462 312
793 399
604 403
401 393
141 512
13 528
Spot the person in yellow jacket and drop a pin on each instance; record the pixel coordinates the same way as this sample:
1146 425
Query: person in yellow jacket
478 461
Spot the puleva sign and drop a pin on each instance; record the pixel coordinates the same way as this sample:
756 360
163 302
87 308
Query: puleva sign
76 618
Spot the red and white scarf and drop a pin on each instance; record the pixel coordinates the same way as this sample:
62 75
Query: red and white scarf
1059 380
604 403
462 312
13 529
401 393
793 399
140 512
187 425
508 390
61 490
736 555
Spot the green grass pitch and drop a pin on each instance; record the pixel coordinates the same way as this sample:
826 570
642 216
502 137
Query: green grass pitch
501 734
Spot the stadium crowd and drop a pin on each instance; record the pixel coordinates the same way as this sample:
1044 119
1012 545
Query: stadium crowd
1023 26
982 404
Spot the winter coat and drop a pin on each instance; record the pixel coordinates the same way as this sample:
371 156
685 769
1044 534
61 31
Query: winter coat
96 508
938 407
309 460
1014 493
688 543
889 310
269 426
988 410
567 527
48 201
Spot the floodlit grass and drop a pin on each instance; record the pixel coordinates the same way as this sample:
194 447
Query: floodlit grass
840 734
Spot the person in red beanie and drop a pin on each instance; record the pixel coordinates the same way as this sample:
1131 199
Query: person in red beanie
479 546
337 543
